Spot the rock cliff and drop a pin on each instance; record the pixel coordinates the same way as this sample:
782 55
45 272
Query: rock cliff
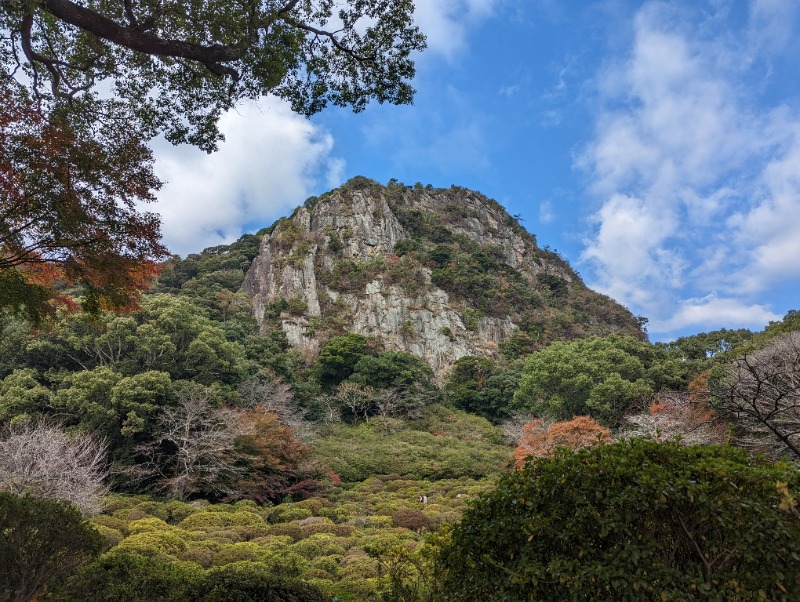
441 273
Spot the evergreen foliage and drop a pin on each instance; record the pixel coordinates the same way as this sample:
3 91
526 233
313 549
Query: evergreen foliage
635 520
42 542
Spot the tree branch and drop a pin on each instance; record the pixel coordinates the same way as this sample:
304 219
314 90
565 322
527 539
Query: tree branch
212 57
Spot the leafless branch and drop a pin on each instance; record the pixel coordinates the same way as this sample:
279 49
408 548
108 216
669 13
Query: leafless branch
42 460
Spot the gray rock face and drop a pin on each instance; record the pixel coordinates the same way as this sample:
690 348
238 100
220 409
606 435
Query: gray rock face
301 259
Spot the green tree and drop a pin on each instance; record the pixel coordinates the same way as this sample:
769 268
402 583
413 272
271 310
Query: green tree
22 395
635 520
42 542
175 67
483 387
598 376
392 370
338 357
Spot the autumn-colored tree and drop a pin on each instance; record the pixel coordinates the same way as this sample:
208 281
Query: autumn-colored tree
68 196
276 464
542 439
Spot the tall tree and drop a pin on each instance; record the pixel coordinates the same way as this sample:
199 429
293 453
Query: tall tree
174 66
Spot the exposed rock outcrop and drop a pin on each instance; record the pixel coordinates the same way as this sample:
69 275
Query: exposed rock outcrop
405 265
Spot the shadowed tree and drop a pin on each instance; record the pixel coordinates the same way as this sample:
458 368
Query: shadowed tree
174 66
42 542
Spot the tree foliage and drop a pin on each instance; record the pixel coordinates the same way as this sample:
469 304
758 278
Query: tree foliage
542 439
42 542
175 67
635 520
598 376
68 209
483 387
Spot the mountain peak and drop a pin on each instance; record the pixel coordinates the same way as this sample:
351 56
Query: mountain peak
441 273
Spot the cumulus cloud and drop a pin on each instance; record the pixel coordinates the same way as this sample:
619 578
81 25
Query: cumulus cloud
713 313
698 190
446 23
271 161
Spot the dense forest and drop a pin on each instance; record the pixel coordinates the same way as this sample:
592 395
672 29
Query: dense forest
217 428
206 451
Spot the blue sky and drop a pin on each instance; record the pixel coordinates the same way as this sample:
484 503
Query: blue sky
656 145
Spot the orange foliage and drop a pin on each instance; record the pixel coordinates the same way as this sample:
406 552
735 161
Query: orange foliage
276 463
542 440
68 209
698 388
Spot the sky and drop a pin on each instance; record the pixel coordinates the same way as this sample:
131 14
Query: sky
654 145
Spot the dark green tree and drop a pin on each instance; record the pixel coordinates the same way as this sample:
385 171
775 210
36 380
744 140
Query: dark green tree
339 355
174 67
636 520
42 542
483 387
392 370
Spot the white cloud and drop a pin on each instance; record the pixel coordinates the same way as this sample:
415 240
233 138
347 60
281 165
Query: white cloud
446 23
699 190
270 161
712 313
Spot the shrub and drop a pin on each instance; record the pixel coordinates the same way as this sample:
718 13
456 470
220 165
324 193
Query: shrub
41 542
208 520
285 513
132 578
162 544
246 582
409 518
635 520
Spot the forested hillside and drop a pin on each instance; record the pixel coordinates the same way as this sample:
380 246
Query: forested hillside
214 447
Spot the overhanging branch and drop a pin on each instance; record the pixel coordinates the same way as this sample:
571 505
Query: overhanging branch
212 57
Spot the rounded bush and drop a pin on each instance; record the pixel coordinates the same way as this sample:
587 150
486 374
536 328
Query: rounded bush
207 521
110 536
409 518
153 543
245 581
246 550
285 513
112 522
143 525
636 520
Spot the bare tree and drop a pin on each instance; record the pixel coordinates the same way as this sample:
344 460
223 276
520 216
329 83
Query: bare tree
276 396
760 392
357 401
42 460
514 427
678 415
333 412
194 449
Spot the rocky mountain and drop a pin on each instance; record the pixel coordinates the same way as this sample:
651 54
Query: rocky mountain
441 273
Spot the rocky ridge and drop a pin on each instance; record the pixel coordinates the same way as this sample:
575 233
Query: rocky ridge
441 273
